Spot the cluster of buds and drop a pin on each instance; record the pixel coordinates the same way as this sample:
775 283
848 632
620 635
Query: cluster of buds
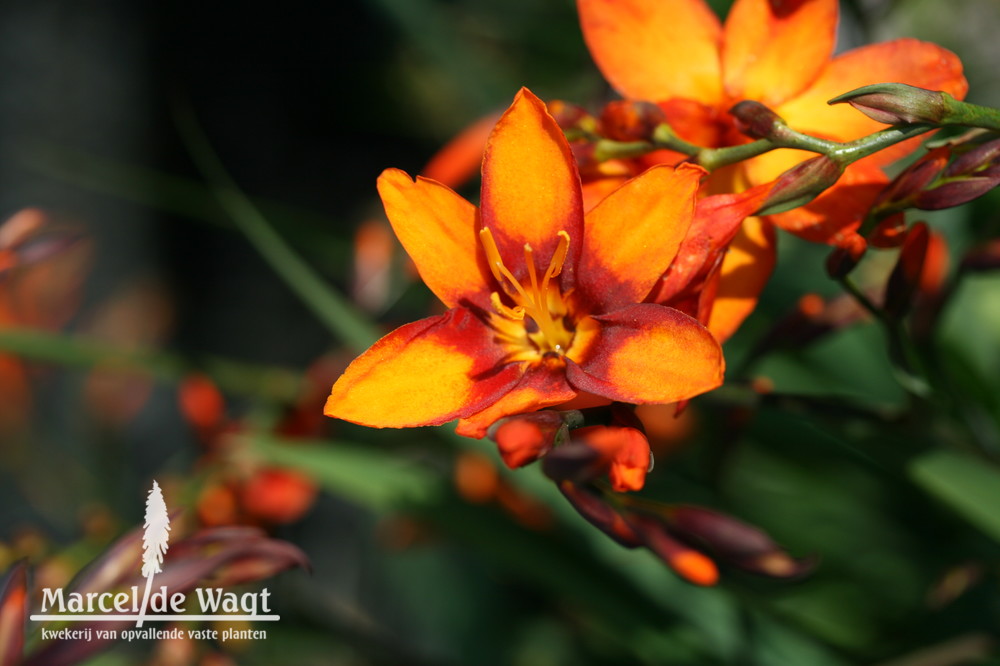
239 489
946 176
578 448
578 445
684 536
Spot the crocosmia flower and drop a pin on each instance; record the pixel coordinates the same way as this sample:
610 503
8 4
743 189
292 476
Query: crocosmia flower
778 52
545 302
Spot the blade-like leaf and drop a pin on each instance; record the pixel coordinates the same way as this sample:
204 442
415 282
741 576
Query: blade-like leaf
968 485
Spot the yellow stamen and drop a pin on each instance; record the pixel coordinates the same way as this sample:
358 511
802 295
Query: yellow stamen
533 301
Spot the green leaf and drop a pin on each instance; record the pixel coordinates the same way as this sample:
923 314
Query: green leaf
971 486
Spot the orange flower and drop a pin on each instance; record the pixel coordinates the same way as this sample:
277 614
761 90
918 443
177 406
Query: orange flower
679 55
545 301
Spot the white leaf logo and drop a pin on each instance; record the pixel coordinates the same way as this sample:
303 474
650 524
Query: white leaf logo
154 541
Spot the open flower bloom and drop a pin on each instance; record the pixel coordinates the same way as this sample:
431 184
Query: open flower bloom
545 303
681 56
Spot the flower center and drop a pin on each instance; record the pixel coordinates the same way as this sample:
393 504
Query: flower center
539 300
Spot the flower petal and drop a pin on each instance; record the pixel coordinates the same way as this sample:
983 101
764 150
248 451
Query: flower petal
425 373
438 230
773 50
745 271
632 235
907 61
542 385
648 354
653 50
531 189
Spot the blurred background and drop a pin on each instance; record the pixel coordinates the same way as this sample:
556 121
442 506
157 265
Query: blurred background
151 333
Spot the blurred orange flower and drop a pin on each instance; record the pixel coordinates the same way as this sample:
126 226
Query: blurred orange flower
546 302
681 56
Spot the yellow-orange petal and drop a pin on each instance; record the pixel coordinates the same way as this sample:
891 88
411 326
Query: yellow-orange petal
745 271
771 51
633 234
654 50
647 354
425 373
531 189
460 159
438 230
907 61
542 385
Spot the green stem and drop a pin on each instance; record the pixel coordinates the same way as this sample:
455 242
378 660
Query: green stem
273 383
969 115
852 151
329 306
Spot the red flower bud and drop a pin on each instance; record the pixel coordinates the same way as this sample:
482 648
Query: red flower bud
905 277
733 541
889 233
625 120
570 116
801 184
896 103
524 438
756 120
624 450
278 495
690 564
600 514
843 259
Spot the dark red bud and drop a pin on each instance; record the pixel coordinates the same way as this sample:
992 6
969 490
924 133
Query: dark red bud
889 233
570 116
743 545
905 277
600 514
843 259
756 120
626 120
690 564
801 184
896 103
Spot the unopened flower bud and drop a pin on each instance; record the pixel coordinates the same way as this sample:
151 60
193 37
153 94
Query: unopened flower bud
973 174
733 541
625 450
523 438
896 103
905 277
756 120
600 514
690 564
627 120
801 184
889 233
844 258
913 180
570 116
